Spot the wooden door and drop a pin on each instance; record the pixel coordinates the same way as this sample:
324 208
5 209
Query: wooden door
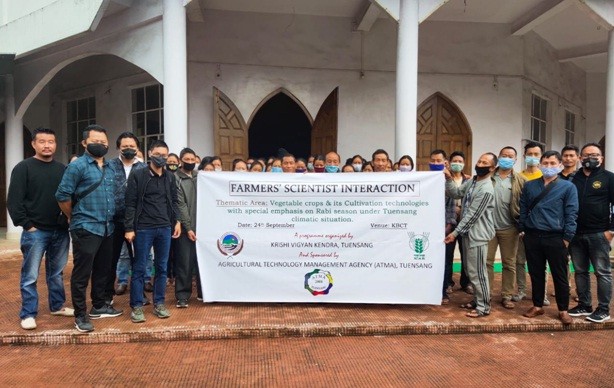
230 130
28 151
441 125
324 131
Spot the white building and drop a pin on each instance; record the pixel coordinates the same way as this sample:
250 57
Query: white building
244 77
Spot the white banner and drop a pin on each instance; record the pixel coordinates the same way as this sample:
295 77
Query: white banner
343 238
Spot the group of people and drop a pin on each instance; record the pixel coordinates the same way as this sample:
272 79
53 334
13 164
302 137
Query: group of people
123 209
539 218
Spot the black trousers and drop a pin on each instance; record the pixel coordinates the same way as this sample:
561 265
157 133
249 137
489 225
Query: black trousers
91 258
118 242
542 248
185 267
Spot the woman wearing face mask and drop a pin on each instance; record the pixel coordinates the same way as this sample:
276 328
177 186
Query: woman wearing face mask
217 163
172 163
319 163
301 165
310 160
406 163
239 165
275 166
357 162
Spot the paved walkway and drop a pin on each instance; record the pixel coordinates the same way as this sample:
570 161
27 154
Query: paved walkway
578 359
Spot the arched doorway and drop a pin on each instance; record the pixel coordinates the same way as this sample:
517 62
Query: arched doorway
442 125
324 132
230 130
280 121
28 151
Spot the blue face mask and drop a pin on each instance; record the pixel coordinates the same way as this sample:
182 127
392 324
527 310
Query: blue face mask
531 161
436 166
329 168
549 172
506 163
276 169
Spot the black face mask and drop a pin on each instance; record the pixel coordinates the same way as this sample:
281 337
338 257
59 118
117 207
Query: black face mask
97 150
128 153
188 166
590 163
481 171
158 161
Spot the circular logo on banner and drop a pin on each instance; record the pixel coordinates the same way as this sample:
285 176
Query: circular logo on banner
418 243
318 282
230 244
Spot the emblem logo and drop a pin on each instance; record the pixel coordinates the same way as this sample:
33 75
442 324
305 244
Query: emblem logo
597 185
230 244
318 282
419 243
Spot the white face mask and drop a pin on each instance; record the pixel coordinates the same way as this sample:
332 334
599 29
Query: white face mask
218 169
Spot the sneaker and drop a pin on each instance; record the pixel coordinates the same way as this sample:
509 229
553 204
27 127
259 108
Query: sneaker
148 287
580 311
121 289
105 311
199 298
546 302
64 312
599 316
520 296
137 315
28 323
182 304
469 289
160 311
83 325
109 301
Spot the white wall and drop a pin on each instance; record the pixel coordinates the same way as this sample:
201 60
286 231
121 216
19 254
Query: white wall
595 106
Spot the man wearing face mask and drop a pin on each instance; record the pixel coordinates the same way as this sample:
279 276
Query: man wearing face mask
532 154
508 187
86 197
128 145
438 162
151 221
476 228
185 252
591 245
547 223
332 162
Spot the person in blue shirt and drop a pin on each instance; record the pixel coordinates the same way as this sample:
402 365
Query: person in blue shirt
86 196
547 225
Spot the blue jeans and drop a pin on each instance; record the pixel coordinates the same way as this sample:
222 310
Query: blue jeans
160 240
124 266
586 249
54 245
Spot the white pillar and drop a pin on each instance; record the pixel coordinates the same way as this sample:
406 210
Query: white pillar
609 106
13 137
175 75
407 79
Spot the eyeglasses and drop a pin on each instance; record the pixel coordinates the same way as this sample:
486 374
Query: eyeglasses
591 155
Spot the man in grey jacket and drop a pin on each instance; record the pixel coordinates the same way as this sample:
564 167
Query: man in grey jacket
476 227
185 253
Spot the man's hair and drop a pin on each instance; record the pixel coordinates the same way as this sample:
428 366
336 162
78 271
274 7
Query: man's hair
509 148
571 147
438 151
288 155
533 144
379 151
336 153
46 131
157 143
592 145
186 151
458 153
495 160
128 135
95 128
551 153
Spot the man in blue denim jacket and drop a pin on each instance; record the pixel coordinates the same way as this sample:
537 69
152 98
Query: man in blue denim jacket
91 225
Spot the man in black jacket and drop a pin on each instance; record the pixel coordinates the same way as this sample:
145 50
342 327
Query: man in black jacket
591 245
151 221
31 204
